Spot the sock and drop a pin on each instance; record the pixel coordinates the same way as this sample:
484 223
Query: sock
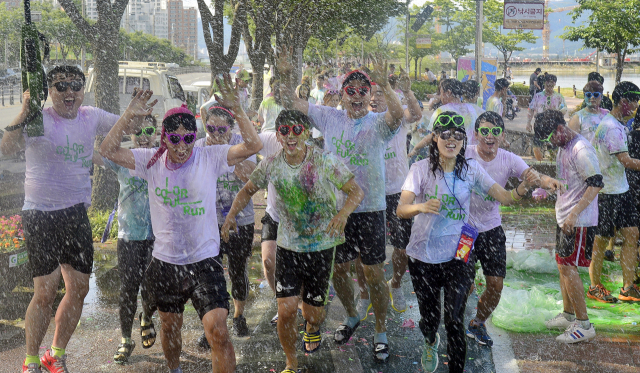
57 352
569 316
126 340
478 321
351 321
177 370
380 338
32 359
585 324
366 302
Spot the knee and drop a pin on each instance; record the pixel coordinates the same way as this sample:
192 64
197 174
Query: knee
78 290
374 274
218 333
44 297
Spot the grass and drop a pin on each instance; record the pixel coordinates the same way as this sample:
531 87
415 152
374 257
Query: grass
98 220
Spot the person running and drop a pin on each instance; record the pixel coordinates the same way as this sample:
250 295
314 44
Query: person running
586 121
57 193
490 247
310 227
615 212
183 212
441 237
577 217
359 138
135 244
496 102
533 83
396 169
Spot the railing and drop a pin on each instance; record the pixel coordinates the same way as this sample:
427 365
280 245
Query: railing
10 93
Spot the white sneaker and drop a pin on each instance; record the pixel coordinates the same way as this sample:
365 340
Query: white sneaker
576 333
363 307
559 322
397 299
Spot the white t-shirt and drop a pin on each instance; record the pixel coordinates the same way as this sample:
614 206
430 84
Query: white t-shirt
485 211
318 95
589 122
58 163
575 163
360 144
269 111
495 104
183 203
469 112
270 146
611 139
434 238
396 162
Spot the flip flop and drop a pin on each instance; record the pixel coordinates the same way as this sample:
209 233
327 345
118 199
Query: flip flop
314 337
346 332
148 339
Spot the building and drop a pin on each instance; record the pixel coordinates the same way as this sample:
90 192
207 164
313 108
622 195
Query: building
148 16
183 26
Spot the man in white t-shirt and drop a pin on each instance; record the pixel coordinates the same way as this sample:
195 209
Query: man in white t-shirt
495 103
359 138
57 193
318 92
184 220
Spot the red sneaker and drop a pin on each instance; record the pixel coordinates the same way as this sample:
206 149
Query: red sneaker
54 364
31 368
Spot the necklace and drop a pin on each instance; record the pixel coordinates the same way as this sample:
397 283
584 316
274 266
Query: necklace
298 165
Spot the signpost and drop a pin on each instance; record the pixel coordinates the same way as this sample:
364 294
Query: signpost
423 41
523 15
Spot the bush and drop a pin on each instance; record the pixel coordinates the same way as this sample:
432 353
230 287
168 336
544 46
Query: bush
98 221
422 89
519 89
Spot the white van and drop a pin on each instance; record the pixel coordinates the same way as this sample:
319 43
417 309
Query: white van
146 75
196 96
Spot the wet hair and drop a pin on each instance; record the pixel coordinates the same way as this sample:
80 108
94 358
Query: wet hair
595 76
593 86
173 122
538 70
623 90
152 119
215 111
356 75
501 84
547 122
66 70
491 117
461 167
470 89
452 85
300 87
636 120
550 77
293 117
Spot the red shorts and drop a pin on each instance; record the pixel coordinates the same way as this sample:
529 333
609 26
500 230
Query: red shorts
575 250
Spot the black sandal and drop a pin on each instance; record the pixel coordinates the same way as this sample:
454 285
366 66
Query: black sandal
149 339
345 331
381 348
124 351
313 337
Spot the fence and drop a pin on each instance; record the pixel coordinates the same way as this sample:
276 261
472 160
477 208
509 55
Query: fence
10 93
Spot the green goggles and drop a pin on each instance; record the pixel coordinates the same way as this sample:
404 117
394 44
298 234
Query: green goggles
149 131
548 139
485 131
446 120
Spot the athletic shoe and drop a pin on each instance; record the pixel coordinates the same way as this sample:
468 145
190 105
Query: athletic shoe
479 332
558 322
274 320
631 295
240 326
363 307
203 343
601 294
576 333
610 256
31 368
54 364
398 302
430 356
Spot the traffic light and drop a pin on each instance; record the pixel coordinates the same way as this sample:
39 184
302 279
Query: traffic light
421 18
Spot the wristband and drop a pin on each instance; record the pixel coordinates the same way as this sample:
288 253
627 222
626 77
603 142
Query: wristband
514 198
518 193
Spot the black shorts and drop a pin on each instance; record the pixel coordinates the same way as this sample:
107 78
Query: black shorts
364 235
58 237
311 271
269 228
575 250
240 243
169 286
615 211
490 249
399 229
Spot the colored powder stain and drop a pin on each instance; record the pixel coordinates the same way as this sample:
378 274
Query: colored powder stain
308 177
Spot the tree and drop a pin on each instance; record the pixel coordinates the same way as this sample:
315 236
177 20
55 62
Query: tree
144 47
612 26
459 32
416 54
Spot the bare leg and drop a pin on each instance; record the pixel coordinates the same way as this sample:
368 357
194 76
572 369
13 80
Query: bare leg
399 260
490 298
566 301
344 288
223 357
574 290
269 263
379 294
171 337
70 308
315 317
362 281
238 307
287 313
38 314
597 257
629 255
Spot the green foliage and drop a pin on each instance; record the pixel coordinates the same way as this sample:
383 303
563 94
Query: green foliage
98 220
457 22
519 89
421 89
139 46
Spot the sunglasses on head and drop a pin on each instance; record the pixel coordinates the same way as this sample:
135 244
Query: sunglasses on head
220 129
285 129
74 84
187 138
457 135
485 131
588 95
445 120
149 131
351 90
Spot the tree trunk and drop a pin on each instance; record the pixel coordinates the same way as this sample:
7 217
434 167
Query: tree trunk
420 64
620 56
416 68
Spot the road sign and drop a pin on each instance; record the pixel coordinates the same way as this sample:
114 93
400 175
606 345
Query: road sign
523 15
423 41
36 16
422 18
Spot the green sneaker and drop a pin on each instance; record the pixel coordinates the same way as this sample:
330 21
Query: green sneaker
430 356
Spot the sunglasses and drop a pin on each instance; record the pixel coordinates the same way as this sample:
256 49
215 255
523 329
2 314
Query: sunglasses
588 95
445 120
457 135
187 138
485 131
221 129
74 84
149 131
351 90
548 139
285 129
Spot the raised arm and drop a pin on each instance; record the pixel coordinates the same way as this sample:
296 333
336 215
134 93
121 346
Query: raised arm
395 113
111 145
290 100
239 203
413 113
354 197
424 142
13 140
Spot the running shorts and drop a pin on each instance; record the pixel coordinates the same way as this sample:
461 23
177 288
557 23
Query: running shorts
269 228
399 229
58 237
490 249
616 211
310 271
240 242
575 250
364 235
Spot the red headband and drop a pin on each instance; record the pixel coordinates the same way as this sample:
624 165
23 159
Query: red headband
161 150
220 107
